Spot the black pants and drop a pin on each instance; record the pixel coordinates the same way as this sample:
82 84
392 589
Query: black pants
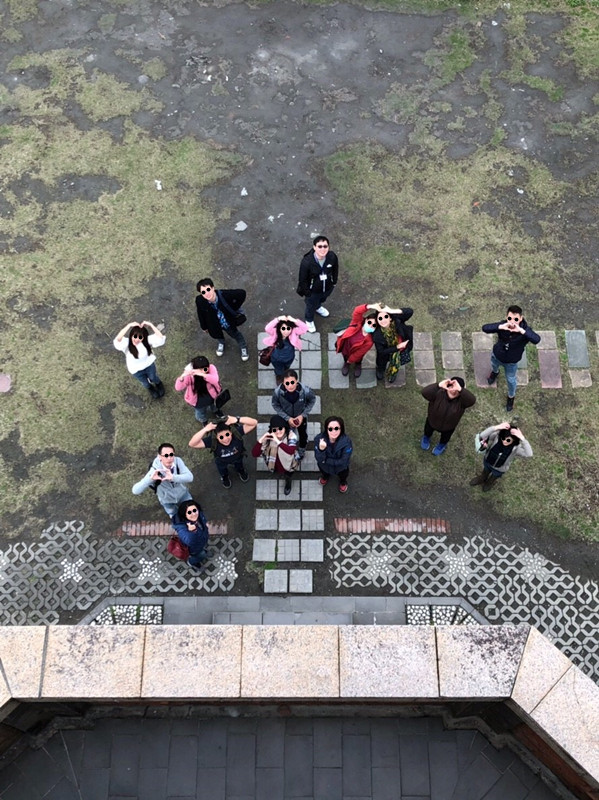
445 435
302 434
341 475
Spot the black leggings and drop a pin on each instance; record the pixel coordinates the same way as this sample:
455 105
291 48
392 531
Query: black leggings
445 435
341 475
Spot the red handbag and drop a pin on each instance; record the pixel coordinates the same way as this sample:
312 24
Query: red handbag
177 549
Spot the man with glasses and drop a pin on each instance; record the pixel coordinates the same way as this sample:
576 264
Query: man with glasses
219 312
225 442
293 402
167 476
318 273
513 334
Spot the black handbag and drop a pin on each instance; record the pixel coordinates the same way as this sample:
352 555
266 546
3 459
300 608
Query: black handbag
265 355
238 317
222 398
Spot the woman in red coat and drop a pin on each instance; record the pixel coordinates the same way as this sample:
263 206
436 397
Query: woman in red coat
356 340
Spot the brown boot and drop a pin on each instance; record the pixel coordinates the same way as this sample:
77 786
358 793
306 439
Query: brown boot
478 479
490 483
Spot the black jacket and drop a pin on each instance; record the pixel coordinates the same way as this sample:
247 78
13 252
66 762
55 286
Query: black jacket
336 457
207 313
403 330
509 347
309 274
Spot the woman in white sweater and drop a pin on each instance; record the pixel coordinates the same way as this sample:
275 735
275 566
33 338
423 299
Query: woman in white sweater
135 341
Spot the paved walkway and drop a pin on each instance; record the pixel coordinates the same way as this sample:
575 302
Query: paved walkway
269 759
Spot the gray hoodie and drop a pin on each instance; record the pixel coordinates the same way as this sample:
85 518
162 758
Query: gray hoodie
169 493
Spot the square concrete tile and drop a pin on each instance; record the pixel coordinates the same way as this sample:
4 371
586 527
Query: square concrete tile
264 405
267 489
311 341
451 340
311 491
311 359
300 581
580 378
311 378
367 379
312 549
548 340
578 352
337 380
424 359
309 462
313 428
522 377
400 381
288 550
482 368
424 377
267 519
423 340
482 341
452 359
290 519
275 580
549 367
266 379
313 519
335 360
331 341
264 550
294 494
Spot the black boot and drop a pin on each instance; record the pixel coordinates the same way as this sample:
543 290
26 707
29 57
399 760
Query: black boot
492 378
481 478
287 489
153 390
490 483
160 389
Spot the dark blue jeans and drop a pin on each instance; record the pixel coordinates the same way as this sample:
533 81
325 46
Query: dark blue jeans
234 333
223 469
313 302
147 376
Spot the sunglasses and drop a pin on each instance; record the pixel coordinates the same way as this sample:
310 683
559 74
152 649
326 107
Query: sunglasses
192 511
167 455
274 430
285 327
513 319
383 316
333 428
322 247
137 338
206 291
290 382
223 435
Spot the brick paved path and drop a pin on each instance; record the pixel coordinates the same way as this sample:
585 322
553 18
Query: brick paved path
270 759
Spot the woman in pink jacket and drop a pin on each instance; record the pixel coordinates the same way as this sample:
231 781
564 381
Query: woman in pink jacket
201 384
284 335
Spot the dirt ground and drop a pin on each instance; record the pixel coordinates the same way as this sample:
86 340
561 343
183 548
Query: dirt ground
285 86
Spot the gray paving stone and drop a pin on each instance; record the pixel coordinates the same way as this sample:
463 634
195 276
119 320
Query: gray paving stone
523 363
269 783
290 519
443 765
386 783
288 550
311 359
246 618
327 743
413 761
451 340
482 341
577 349
369 360
313 428
311 491
241 764
549 367
311 341
363 618
399 382
212 785
294 494
267 489
221 618
322 618
385 743
522 377
580 378
267 519
276 603
270 738
548 340
452 359
243 603
298 766
264 404
275 580
300 581
312 549
264 550
260 340
424 359
266 379
312 519
331 341
328 783
424 377
357 766
309 462
278 618
311 378
182 768
423 340
337 380
367 379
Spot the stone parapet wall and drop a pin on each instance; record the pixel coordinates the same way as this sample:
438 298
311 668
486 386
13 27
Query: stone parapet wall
514 665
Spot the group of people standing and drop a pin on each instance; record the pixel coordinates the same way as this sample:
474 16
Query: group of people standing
283 445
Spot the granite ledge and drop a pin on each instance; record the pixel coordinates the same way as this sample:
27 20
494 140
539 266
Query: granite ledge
541 668
21 656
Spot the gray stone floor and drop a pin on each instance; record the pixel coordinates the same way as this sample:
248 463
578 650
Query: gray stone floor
270 759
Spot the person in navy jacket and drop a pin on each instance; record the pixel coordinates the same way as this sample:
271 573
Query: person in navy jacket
332 450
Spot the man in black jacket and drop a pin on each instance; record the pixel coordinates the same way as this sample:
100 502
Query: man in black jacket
219 312
293 401
513 334
318 273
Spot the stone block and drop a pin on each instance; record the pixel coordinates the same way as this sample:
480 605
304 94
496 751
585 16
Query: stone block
337 380
335 360
451 340
189 661
331 341
264 405
266 379
93 662
548 340
569 713
541 668
267 519
482 368
423 340
578 352
21 656
369 360
580 378
309 462
402 662
367 379
311 359
300 581
288 550
549 367
452 359
424 359
294 494
275 580
312 519
312 550
264 550
311 341
260 339
313 428
311 492
311 378
290 662
424 377
479 661
482 341
295 364
399 382
267 489
290 519
316 409
522 377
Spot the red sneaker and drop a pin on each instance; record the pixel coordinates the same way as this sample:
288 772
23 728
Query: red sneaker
323 481
343 487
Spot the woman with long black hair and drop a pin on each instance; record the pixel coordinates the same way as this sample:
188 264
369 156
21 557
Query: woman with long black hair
284 336
190 524
500 444
201 383
332 450
135 341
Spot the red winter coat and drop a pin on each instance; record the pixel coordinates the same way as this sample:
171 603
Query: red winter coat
358 351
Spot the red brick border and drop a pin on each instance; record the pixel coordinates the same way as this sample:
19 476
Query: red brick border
145 528
372 525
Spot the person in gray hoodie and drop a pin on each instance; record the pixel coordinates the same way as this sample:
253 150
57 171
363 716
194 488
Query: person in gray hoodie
167 476
500 444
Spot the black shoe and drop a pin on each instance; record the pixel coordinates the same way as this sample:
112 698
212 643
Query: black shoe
243 476
492 378
509 406
392 378
160 389
287 486
226 482
380 374
154 391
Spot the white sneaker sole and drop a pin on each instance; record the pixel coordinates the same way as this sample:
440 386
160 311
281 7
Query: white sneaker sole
324 312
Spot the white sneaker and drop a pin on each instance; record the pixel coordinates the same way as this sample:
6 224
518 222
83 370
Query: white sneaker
311 327
220 349
324 312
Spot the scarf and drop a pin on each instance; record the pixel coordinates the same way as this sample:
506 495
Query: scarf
392 340
270 451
